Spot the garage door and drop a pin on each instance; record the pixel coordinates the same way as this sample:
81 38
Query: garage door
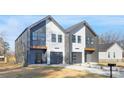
56 57
77 57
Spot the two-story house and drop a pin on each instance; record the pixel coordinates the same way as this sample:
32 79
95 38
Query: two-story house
82 46
46 42
41 43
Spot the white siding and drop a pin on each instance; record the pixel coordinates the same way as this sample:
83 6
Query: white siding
118 52
103 55
113 49
51 28
79 47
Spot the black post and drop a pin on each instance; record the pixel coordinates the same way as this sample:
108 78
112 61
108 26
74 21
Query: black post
110 71
111 65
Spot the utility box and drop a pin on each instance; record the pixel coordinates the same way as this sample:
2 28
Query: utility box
3 59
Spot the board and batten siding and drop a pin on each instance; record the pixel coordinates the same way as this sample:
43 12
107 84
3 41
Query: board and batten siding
22 47
51 28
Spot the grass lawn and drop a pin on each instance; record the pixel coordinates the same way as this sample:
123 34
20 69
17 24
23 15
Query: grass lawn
47 72
8 66
118 64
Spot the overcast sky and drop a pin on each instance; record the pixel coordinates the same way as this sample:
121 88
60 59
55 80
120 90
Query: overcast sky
12 26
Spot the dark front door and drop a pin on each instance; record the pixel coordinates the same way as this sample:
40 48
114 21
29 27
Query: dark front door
38 58
76 57
56 57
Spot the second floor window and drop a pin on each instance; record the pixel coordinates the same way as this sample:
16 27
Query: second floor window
114 54
79 39
38 38
73 38
88 40
60 38
108 54
34 36
53 38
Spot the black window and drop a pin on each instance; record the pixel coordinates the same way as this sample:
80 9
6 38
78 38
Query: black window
73 38
59 38
114 54
79 39
53 37
108 54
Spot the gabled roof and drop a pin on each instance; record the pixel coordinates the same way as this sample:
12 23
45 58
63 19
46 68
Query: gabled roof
46 18
75 28
105 47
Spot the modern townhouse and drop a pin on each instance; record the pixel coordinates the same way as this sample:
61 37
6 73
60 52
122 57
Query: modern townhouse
111 52
46 42
81 44
41 43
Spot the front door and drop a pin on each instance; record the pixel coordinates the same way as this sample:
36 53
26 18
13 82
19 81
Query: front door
38 58
88 57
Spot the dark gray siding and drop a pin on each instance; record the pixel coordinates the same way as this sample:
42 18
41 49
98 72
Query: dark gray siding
91 35
22 46
68 48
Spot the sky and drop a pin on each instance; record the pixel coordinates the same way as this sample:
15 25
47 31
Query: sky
11 26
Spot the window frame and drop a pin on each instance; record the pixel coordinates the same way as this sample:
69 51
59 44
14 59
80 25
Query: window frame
73 38
108 54
79 39
60 38
53 37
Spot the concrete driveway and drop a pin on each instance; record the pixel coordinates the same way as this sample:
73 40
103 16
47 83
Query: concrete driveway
105 71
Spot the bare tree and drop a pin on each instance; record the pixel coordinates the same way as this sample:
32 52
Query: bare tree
109 37
4 45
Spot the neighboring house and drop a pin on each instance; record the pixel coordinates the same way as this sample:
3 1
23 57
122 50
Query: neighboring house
2 54
81 44
41 43
110 53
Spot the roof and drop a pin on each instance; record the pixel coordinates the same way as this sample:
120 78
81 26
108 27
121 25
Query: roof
105 47
36 23
79 26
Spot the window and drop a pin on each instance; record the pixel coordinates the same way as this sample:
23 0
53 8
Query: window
38 38
79 39
53 37
34 36
88 40
114 54
92 40
35 43
59 38
73 38
108 54
41 37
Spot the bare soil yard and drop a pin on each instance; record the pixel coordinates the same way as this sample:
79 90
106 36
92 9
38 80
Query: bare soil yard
15 71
